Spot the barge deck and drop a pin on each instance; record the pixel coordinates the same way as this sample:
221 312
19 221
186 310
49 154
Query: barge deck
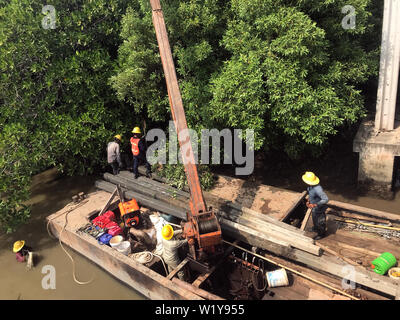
346 253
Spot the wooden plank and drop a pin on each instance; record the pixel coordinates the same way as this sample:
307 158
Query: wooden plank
294 206
197 291
155 183
106 206
178 268
347 214
367 224
276 233
358 249
145 189
305 220
370 241
364 210
266 226
253 238
325 248
260 216
145 200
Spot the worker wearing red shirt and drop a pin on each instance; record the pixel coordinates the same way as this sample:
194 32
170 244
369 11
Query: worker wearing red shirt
139 153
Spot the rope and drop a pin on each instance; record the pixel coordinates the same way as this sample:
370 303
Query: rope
146 257
59 240
143 257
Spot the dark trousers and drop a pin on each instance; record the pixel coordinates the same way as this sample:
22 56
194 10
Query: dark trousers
127 162
319 219
115 167
138 161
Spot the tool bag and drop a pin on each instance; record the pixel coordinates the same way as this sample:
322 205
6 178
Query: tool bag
105 238
101 221
113 228
109 215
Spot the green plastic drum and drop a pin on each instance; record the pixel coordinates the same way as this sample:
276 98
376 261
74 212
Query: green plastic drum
383 263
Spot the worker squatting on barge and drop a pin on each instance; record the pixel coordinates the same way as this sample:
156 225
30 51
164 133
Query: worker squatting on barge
171 244
317 200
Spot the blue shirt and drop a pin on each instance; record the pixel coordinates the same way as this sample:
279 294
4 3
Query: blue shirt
317 195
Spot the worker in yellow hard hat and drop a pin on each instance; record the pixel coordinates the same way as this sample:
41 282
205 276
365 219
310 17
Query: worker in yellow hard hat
114 154
138 147
171 244
21 250
136 130
317 200
167 232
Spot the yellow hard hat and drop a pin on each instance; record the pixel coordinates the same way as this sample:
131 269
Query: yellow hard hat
118 136
167 232
136 130
18 245
310 178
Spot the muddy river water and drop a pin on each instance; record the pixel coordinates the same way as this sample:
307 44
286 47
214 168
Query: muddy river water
49 194
16 282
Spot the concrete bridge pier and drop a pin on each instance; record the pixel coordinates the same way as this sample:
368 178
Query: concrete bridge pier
378 142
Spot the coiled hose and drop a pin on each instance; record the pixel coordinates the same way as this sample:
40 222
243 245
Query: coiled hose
147 256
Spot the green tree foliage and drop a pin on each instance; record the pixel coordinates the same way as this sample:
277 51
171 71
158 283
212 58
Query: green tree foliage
285 68
56 105
294 71
195 29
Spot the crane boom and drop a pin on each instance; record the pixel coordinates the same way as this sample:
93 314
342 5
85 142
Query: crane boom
202 229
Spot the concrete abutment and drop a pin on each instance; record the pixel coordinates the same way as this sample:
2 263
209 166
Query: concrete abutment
378 142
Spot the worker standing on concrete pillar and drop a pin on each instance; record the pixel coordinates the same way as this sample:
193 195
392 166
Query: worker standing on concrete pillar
317 200
171 244
139 153
113 154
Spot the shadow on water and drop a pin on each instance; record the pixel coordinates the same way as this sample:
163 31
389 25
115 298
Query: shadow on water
49 193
